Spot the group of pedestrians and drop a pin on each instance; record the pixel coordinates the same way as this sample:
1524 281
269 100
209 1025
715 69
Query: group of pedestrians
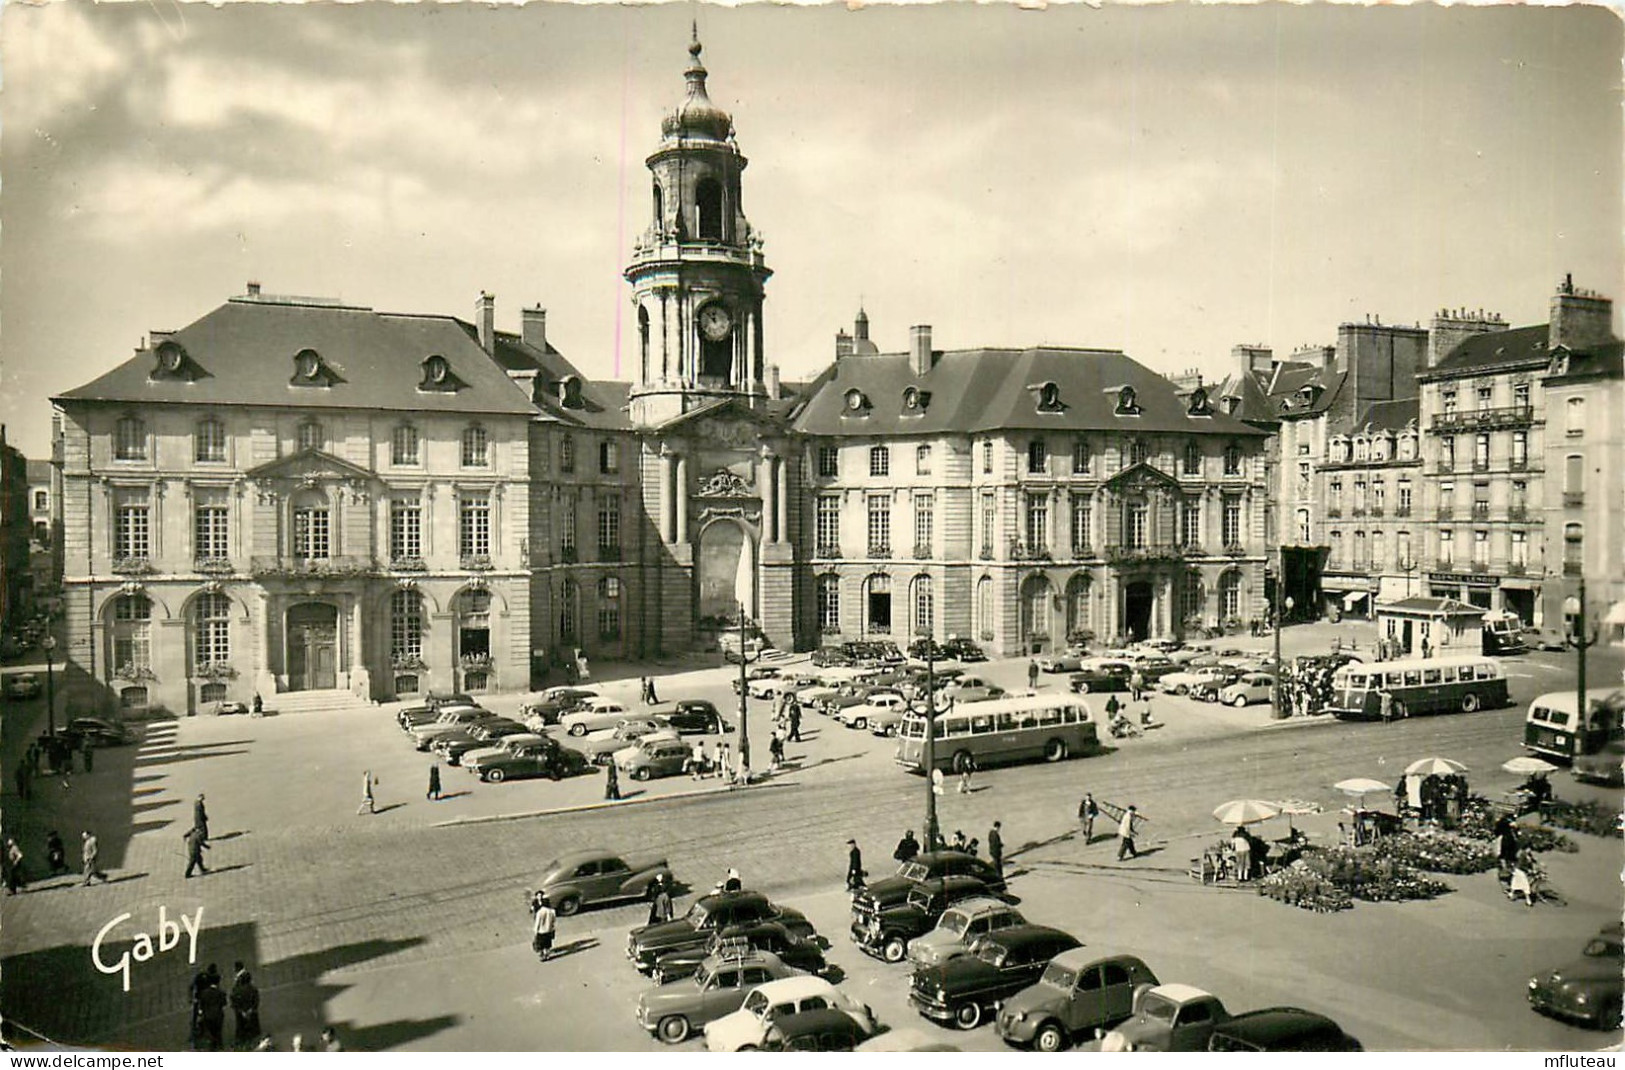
49 756
1306 684
1089 810
787 716
56 860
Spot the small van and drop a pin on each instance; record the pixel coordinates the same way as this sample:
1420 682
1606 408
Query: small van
1552 728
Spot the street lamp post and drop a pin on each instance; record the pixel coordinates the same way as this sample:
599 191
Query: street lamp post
744 700
51 685
1581 643
927 756
1280 582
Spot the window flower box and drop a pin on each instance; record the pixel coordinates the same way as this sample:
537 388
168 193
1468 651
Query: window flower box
475 662
133 566
214 566
922 551
477 562
215 670
407 663
134 673
569 555
408 564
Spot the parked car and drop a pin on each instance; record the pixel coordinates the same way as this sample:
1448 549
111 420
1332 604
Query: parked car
965 989
830 656
1076 995
826 1030
964 650
593 715
1605 766
915 685
228 709
969 688
1152 669
547 759
582 878
1102 674
1253 687
477 736
929 650
602 746
754 674
1168 1018
1545 639
961 925
1587 989
554 703
887 932
506 745
890 891
1281 1029
874 706
706 916
453 719
653 756
746 1029
853 694
1059 662
673 1011
409 717
696 716
448 698
98 731
800 952
21 685
1208 690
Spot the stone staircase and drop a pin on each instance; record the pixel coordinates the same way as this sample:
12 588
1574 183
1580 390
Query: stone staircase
315 701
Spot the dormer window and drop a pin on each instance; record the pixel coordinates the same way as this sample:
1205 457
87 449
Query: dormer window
1126 405
437 375
570 392
856 403
1231 404
1359 449
915 401
1407 446
309 369
1199 404
173 363
1049 398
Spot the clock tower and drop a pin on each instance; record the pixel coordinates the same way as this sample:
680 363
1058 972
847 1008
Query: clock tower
697 272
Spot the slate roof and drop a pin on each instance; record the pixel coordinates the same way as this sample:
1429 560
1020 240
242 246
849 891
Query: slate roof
1485 351
245 350
1425 604
1389 415
997 389
38 471
1604 362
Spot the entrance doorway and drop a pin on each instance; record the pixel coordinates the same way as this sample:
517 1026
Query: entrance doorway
1137 603
727 571
1520 602
313 646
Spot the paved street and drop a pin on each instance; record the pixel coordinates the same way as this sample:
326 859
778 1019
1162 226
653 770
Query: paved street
405 929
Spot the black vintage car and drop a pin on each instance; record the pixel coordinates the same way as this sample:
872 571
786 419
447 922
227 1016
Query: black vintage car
964 650
887 932
823 1030
965 989
1099 679
705 918
893 891
1281 1029
537 759
452 747
696 716
798 952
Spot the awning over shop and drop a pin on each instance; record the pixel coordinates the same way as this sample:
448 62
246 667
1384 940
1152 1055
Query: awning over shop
1616 614
1352 598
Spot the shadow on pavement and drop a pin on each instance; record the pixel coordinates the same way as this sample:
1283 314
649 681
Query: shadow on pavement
168 758
573 947
392 1034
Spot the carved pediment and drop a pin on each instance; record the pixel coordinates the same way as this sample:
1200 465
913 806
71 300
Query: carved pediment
1141 477
724 484
309 466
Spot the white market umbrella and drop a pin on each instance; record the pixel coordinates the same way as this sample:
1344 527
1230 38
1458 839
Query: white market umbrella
1245 812
1434 767
1362 786
1524 765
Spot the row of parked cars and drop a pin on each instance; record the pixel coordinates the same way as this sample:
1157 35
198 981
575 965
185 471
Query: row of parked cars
976 959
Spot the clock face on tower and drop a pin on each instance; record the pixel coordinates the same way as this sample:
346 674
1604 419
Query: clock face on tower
715 322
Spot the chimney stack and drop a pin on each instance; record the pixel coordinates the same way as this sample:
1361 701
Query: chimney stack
253 289
843 345
919 347
533 327
1580 318
486 319
774 388
1453 326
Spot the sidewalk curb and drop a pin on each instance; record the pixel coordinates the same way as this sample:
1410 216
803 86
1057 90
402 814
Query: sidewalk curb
581 808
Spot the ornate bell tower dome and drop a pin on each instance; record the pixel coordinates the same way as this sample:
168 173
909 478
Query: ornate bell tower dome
697 272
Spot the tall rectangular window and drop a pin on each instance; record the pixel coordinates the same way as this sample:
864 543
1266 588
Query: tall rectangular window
1520 499
211 635
609 529
312 533
1574 476
1037 457
829 461
1081 516
1447 452
1520 548
130 439
1403 508
1403 549
1080 456
880 525
209 441
209 531
609 458
990 520
567 525
474 525
1359 494
1481 548
406 624
1481 450
1134 526
132 638
879 461
829 603
922 460
1334 494
476 448
1486 397
403 445
567 454
1190 522
1520 449
405 529
828 525
132 523
1232 522
925 508
1037 522
1447 547
987 457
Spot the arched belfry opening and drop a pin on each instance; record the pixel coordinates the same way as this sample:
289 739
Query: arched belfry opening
708 209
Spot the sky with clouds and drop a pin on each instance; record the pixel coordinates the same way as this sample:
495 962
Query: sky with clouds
1166 180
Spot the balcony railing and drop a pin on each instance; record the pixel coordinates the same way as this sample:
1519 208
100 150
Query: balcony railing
1446 512
1023 551
1517 512
132 565
1334 510
1082 550
1519 464
295 567
1376 511
1444 468
1508 416
476 562
879 550
828 549
1481 566
1403 510
569 555
1123 555
1481 510
609 553
922 551
214 566
1481 465
1573 568
1574 497
1358 510
1517 568
408 564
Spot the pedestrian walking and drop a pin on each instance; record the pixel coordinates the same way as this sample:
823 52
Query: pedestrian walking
1088 810
696 761
654 699
1506 848
245 1010
907 848
196 844
1136 684
1385 706
88 753
725 768
543 923
15 880
1032 674
612 782
1112 708
660 905
1145 710
995 849
733 882
200 818
965 771
959 843
795 721
20 777
330 1040
775 748
56 853
259 705
854 866
199 982
1125 833
211 1013
434 782
89 855
368 803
